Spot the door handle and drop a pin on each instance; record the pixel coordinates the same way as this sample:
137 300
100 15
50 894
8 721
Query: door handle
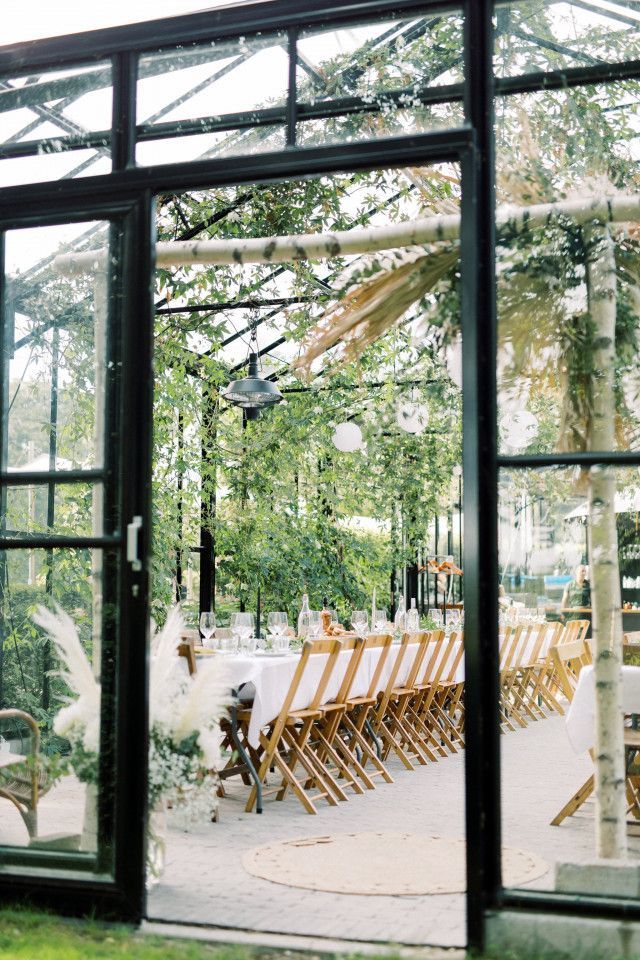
133 531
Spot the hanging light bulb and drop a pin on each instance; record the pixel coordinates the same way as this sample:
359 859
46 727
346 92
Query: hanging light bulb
253 393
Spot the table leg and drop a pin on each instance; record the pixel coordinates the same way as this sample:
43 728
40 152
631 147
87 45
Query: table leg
243 753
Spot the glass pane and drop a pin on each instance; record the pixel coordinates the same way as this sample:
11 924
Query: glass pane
567 284
60 509
390 66
395 122
200 89
199 147
387 55
37 20
61 693
45 121
545 35
569 553
57 344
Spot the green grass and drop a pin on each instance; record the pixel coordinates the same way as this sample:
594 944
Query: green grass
30 935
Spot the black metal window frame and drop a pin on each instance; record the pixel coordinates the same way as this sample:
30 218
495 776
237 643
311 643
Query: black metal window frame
472 147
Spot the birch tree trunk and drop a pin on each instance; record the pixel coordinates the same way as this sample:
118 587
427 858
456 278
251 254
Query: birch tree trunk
611 837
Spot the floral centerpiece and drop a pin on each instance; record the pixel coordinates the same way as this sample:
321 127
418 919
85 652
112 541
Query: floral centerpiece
184 733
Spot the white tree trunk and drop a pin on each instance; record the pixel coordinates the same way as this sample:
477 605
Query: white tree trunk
323 246
611 837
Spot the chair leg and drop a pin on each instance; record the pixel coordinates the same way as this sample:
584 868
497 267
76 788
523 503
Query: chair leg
575 802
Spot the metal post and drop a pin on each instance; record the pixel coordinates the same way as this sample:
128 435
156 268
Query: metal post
51 503
210 402
179 506
7 315
479 462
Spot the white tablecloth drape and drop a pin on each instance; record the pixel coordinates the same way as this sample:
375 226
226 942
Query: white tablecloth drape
581 716
267 679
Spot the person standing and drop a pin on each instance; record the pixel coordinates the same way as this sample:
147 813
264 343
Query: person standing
577 593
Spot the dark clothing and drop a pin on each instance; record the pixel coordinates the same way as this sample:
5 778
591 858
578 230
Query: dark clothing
577 595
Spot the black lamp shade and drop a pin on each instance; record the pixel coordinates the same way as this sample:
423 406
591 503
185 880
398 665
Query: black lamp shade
252 392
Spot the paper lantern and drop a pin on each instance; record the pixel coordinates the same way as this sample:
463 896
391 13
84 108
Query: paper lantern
347 437
412 417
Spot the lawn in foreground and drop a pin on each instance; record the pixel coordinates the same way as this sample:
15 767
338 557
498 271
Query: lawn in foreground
26 934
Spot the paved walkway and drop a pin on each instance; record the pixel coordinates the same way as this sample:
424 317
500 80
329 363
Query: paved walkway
205 882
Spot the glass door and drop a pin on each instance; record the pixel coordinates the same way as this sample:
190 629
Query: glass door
74 381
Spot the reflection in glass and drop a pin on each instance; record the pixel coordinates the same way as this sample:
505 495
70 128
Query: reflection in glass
56 124
569 588
566 282
543 35
57 352
61 691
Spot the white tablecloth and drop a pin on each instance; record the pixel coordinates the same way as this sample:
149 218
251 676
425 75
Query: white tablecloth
580 718
267 679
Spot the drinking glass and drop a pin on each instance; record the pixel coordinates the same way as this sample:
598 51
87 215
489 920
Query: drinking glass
229 644
412 621
334 616
207 628
315 623
360 621
281 642
437 616
277 623
248 645
242 625
380 621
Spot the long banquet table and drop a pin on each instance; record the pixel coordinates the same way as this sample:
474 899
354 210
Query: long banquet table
266 679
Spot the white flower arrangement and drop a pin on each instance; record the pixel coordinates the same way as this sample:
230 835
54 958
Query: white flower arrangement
184 714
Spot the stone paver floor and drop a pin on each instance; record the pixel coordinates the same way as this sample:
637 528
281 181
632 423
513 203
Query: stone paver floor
205 882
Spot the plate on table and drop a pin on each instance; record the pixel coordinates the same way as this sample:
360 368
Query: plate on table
272 653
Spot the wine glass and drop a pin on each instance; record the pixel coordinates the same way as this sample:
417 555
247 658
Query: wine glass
241 628
277 624
315 623
207 628
380 621
360 621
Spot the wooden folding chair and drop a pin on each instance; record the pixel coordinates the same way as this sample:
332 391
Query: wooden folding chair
449 690
508 648
335 756
355 727
568 659
285 744
186 649
539 638
387 720
632 748
424 712
400 698
574 630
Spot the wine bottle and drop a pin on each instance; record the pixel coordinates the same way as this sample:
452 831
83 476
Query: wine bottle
400 615
325 616
303 617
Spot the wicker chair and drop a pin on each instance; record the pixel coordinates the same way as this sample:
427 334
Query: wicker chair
22 778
